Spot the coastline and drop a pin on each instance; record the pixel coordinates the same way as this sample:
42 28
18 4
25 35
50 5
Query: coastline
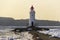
41 36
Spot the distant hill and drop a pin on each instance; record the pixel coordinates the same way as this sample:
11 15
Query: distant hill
11 22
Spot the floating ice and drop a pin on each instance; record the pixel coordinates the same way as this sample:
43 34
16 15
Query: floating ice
7 35
52 32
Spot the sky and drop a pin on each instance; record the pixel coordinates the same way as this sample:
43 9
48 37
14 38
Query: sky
19 9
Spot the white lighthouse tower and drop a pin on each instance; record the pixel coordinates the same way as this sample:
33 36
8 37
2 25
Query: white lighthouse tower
32 17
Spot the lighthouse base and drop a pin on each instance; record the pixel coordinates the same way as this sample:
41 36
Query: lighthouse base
32 23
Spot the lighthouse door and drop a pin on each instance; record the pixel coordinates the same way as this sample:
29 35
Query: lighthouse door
32 23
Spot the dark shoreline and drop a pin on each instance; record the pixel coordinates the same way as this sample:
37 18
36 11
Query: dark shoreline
41 36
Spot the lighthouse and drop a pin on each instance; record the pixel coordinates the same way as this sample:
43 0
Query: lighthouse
32 17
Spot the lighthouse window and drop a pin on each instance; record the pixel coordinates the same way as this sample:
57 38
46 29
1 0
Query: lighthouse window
32 15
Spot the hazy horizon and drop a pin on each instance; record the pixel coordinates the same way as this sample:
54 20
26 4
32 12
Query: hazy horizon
19 9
